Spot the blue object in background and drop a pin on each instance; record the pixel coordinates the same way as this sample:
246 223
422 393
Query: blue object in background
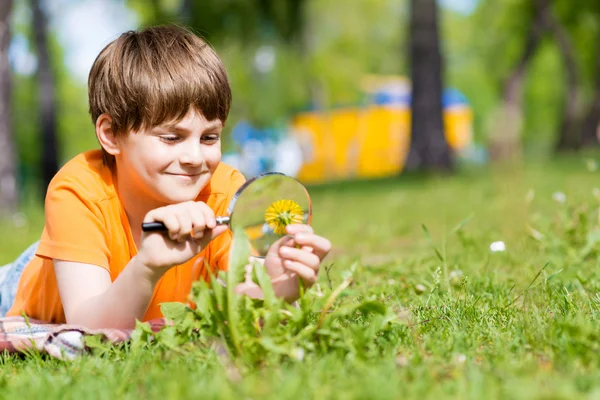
453 97
392 96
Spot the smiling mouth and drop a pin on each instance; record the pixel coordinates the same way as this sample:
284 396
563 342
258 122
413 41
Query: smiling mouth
187 175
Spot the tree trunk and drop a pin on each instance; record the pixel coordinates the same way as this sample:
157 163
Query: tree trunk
47 97
590 134
8 169
505 139
569 137
429 149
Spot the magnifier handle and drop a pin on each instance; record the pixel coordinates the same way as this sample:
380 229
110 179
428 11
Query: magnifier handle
160 227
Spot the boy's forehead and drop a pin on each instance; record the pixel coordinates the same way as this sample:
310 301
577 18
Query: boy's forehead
192 119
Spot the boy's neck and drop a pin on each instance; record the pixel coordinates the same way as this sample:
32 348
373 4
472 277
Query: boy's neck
136 207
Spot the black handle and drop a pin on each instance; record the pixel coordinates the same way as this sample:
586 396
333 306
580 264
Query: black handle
153 226
160 227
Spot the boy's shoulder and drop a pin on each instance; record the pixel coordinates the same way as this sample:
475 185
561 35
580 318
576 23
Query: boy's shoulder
87 175
225 180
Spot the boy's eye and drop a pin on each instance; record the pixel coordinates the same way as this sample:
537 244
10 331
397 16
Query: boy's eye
169 138
210 139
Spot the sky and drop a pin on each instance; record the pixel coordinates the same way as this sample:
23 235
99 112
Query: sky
84 27
465 7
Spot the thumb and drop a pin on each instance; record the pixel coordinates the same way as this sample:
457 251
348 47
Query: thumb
210 234
216 231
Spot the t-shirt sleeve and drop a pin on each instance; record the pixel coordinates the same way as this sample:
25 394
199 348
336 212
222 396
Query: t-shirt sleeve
219 254
75 228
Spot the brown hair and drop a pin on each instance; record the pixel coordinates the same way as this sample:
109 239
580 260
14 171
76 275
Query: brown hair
143 79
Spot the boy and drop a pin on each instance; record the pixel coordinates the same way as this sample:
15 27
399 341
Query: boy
158 99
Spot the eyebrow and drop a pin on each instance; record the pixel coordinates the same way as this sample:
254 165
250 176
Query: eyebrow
209 126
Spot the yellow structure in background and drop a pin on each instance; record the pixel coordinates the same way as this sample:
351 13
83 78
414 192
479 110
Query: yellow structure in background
367 142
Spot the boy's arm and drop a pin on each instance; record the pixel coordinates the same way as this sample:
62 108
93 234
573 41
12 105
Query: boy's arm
90 298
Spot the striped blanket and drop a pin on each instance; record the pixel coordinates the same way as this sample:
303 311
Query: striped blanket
19 335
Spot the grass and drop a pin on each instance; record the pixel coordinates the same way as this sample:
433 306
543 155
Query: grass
468 323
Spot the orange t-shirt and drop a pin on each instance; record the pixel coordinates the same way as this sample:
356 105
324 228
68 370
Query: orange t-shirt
86 223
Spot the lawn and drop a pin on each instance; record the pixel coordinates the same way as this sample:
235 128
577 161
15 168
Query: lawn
452 318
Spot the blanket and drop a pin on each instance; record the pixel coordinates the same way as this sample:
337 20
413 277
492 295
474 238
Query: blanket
19 335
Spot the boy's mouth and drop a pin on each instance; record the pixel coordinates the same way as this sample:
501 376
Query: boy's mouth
186 175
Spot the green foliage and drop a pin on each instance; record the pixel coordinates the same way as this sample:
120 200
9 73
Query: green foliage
269 330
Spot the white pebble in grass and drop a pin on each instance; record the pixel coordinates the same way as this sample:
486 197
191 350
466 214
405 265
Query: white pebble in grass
401 361
455 277
460 359
559 197
298 354
497 246
420 289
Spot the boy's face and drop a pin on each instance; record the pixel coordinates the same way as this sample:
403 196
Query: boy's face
172 162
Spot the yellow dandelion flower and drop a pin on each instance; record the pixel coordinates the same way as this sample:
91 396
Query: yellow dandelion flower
282 213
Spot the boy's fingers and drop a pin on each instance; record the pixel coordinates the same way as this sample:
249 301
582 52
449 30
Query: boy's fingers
210 234
198 223
217 230
284 241
307 274
293 229
320 246
304 257
185 225
208 214
171 222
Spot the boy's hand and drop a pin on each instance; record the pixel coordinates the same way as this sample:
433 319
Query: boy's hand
301 254
191 226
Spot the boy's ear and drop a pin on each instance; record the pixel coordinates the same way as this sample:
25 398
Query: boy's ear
106 135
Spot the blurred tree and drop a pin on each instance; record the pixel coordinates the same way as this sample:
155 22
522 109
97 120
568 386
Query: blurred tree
505 135
8 181
429 149
583 24
246 20
530 26
249 20
47 97
569 130
590 135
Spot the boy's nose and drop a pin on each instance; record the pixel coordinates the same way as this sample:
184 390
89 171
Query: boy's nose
191 155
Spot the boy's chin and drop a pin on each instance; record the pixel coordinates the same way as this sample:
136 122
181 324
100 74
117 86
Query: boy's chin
180 195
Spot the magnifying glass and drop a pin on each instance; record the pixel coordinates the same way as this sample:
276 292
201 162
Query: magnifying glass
263 207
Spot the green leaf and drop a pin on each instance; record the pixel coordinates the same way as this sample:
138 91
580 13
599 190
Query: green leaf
266 286
553 275
174 311
592 240
461 224
169 338
142 335
238 258
437 252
